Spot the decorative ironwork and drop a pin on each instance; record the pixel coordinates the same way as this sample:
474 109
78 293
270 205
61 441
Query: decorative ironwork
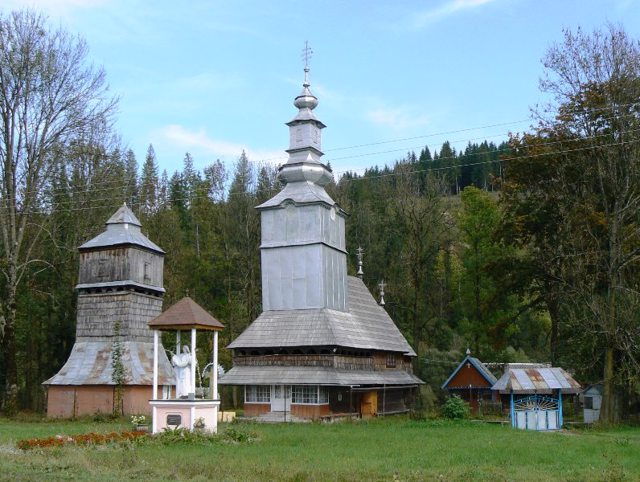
536 402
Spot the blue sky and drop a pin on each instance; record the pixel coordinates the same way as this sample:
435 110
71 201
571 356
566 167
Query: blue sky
215 77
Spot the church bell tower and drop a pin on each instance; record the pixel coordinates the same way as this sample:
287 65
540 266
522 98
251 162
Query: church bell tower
303 251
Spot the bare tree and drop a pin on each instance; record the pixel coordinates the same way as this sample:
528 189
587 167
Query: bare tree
49 96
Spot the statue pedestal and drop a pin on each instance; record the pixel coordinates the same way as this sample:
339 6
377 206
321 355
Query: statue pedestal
189 414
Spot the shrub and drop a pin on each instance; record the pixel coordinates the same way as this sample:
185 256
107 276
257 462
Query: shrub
455 408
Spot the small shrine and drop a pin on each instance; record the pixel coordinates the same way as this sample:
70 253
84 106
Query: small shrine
535 396
472 381
186 404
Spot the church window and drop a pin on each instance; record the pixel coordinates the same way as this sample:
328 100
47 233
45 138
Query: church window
147 272
257 394
309 394
391 360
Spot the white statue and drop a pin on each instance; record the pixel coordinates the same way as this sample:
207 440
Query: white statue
182 365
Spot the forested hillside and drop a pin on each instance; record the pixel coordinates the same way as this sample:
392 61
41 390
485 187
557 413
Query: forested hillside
522 251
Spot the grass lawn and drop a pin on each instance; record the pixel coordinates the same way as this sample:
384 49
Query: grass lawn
386 449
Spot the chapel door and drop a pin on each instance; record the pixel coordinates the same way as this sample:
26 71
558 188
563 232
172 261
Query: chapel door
280 398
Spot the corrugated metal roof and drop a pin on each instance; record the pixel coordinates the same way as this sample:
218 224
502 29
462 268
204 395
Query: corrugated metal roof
186 313
90 363
123 228
536 380
478 365
267 375
366 326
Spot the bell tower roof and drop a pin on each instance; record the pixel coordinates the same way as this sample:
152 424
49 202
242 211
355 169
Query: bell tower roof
123 228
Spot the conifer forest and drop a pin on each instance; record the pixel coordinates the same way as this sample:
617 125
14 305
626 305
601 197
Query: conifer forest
522 250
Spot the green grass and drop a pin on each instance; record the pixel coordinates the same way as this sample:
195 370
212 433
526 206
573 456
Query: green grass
388 449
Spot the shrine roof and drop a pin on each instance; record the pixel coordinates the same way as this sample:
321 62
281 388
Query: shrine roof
185 314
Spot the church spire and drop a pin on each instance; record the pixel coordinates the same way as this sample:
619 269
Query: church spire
305 133
304 264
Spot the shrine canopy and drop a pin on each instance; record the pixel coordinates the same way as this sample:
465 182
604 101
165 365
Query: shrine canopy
184 315
536 381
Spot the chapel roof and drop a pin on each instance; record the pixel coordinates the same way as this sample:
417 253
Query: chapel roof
306 375
478 365
365 326
185 314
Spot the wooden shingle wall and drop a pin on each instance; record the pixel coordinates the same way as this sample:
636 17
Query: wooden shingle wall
121 263
98 313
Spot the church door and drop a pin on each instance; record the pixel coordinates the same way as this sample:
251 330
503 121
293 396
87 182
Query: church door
280 398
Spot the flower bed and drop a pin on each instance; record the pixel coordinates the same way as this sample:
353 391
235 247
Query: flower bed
92 438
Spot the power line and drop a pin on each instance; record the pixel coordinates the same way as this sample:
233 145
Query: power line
385 175
118 184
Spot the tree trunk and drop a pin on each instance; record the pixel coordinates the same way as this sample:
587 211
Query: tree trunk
9 341
553 307
608 412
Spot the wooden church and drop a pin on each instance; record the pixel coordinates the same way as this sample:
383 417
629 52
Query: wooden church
322 345
119 291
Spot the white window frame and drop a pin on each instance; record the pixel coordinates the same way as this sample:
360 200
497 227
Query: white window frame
309 395
257 394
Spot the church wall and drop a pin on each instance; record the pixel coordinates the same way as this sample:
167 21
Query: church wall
98 312
335 281
256 409
65 401
121 263
341 401
290 285
313 412
61 401
333 228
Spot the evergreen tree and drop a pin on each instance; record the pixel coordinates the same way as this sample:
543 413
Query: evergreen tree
148 195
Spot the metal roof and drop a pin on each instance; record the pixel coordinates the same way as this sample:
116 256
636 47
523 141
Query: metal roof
117 284
123 228
536 380
185 314
90 363
366 326
300 193
267 375
478 365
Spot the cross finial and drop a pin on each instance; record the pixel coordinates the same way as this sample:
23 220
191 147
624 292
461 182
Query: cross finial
360 252
306 56
307 52
381 285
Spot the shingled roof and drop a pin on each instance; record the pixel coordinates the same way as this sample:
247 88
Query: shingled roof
91 363
183 315
366 326
123 228
303 375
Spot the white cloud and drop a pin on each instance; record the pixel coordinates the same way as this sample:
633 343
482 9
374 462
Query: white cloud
446 9
397 118
198 141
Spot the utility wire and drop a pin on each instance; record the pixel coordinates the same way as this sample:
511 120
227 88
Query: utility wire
105 185
385 175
